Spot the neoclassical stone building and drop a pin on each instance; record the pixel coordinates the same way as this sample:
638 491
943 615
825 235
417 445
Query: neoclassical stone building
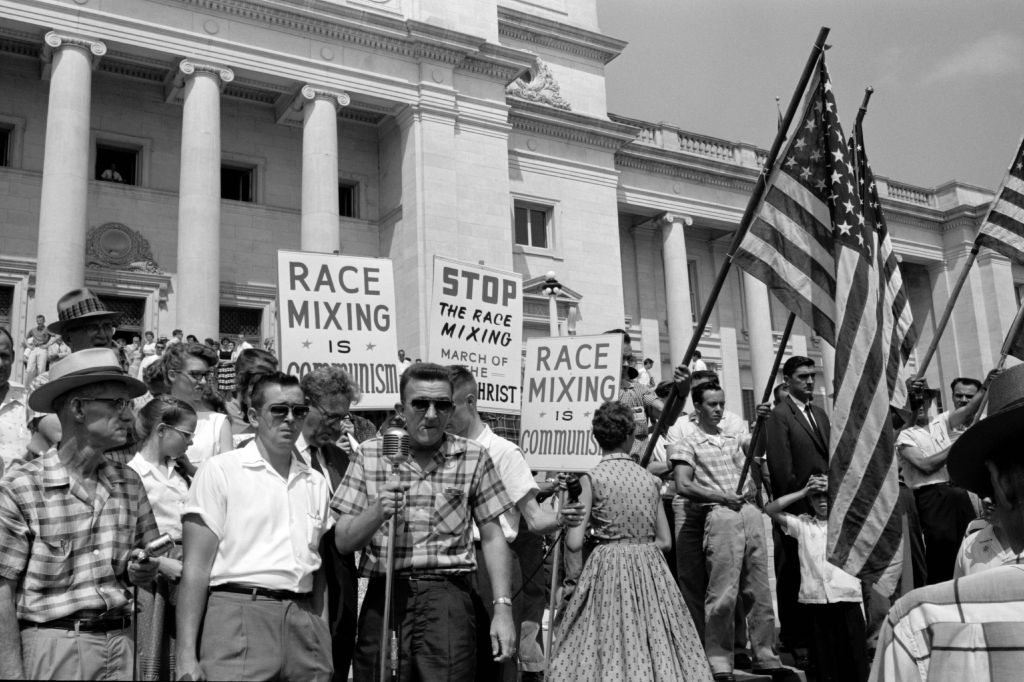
161 151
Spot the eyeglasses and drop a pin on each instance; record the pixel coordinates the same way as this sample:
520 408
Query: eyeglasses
107 327
198 375
423 404
188 434
281 411
119 404
330 418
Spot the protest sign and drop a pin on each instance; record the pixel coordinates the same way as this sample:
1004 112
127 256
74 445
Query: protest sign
476 320
339 310
567 378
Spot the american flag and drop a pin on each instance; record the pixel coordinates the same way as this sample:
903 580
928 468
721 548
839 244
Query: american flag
814 247
1003 230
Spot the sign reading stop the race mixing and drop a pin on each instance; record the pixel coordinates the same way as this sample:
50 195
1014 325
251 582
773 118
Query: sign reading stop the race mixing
340 310
476 320
567 378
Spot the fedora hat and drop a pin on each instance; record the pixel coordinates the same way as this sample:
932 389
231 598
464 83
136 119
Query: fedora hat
85 367
996 435
78 306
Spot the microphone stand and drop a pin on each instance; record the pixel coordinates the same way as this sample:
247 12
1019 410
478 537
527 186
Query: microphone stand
388 638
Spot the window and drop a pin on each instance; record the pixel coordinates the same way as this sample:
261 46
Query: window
133 313
245 321
532 225
238 183
749 411
117 164
691 273
7 308
6 142
347 206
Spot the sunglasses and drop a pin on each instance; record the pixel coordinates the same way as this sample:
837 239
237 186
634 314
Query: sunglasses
198 375
188 434
119 404
423 404
281 411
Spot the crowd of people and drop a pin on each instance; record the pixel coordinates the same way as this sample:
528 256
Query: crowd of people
172 509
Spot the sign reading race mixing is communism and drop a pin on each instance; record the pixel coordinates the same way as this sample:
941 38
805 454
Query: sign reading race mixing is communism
340 310
476 320
566 379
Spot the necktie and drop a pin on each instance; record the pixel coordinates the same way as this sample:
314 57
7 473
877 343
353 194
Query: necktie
314 459
810 418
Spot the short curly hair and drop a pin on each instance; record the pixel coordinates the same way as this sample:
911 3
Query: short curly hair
158 375
327 381
612 424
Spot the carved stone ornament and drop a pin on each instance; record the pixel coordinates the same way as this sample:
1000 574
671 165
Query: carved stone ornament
114 246
541 88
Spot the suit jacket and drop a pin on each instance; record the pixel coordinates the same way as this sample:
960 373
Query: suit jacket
795 449
340 572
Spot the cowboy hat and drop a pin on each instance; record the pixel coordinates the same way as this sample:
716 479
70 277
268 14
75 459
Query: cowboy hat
90 366
996 435
77 306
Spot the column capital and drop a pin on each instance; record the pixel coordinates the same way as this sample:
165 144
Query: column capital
339 98
54 41
289 107
668 219
174 85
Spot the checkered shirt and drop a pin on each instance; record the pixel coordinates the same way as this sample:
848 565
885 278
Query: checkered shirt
65 552
717 460
639 399
434 532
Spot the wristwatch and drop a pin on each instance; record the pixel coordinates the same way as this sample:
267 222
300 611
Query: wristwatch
502 600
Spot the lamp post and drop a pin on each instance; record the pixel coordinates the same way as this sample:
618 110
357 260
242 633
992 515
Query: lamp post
551 288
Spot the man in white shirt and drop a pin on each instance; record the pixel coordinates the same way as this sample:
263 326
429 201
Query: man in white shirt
252 527
943 508
522 489
14 433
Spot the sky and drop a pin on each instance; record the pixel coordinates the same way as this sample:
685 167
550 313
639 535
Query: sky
948 75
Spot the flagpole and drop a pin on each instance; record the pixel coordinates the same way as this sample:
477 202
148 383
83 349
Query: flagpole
1004 352
961 279
755 437
674 402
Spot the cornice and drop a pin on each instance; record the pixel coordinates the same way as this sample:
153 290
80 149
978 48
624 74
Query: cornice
565 38
685 167
538 119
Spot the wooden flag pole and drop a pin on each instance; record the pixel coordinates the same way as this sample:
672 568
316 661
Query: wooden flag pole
1004 352
674 402
755 437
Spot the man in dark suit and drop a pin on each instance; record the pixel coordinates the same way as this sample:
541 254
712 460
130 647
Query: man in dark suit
330 393
798 446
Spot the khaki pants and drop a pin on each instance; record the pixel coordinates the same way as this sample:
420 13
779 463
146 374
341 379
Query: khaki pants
57 654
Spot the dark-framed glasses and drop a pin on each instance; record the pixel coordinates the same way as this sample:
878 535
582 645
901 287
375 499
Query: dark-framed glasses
119 404
189 435
330 418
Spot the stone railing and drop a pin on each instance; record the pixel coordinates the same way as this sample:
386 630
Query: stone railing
908 193
706 146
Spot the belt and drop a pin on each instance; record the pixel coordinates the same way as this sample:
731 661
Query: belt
459 579
81 624
279 595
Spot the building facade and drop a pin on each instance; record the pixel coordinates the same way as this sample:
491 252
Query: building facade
162 151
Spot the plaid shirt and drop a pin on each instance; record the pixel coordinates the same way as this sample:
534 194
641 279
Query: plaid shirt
717 460
639 399
66 552
434 532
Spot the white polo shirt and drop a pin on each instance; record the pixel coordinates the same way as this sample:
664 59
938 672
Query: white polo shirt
820 581
269 528
514 473
166 490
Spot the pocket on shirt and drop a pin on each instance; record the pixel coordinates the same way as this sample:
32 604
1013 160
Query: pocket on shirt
450 512
51 560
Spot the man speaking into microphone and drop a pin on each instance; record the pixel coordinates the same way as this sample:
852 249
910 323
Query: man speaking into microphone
444 478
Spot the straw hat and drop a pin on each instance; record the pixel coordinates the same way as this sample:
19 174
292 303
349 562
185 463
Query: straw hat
77 306
995 437
90 366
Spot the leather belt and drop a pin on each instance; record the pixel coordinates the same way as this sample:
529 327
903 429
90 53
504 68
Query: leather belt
81 624
279 595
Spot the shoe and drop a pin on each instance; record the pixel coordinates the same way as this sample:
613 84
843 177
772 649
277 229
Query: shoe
723 677
742 661
530 676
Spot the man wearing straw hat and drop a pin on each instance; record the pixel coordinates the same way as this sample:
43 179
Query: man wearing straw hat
69 521
971 628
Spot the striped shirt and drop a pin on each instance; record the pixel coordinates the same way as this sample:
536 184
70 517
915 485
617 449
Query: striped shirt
639 399
434 532
68 552
966 629
716 459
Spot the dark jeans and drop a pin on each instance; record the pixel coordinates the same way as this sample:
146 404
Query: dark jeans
944 512
436 625
838 641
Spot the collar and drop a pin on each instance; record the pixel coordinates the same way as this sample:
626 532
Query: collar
15 394
702 436
55 474
799 405
249 456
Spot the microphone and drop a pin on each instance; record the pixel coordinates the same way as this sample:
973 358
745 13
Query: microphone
574 488
157 548
395 446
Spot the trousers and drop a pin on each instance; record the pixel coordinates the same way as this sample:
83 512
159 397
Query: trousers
57 654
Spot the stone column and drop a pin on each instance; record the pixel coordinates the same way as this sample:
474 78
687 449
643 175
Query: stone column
63 208
759 330
320 169
677 285
198 287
